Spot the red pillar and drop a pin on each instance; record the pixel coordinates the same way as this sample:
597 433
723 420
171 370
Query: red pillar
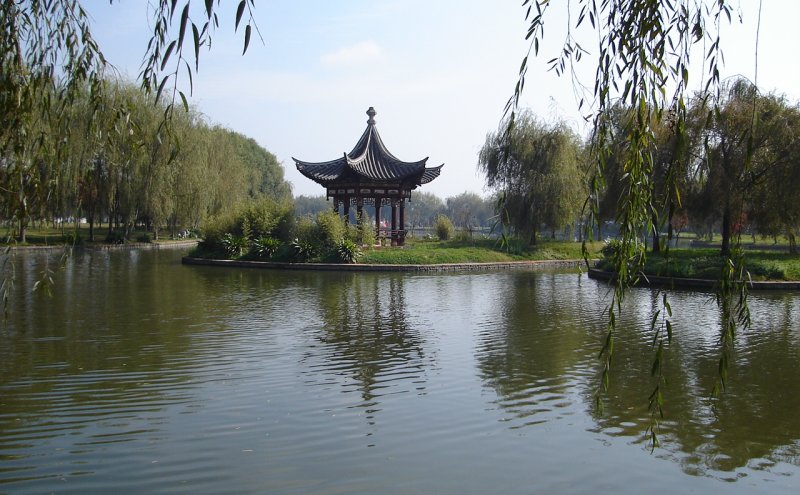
378 219
402 235
394 223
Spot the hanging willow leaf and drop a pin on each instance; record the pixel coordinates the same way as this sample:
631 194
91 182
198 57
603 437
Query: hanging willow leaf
247 32
184 21
239 12
168 52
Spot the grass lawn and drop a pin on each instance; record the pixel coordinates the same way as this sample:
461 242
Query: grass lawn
51 236
426 252
707 263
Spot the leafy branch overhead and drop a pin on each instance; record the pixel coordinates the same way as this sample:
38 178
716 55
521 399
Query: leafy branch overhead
643 54
166 56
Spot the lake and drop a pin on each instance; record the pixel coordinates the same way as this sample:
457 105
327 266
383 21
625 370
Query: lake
142 375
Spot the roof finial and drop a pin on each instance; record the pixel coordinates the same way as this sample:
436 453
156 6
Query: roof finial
371 112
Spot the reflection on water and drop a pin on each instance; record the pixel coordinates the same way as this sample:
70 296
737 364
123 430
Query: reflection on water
143 375
366 340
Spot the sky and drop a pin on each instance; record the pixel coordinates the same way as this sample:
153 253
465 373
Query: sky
438 73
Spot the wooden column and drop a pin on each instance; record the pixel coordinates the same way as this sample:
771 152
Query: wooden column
402 234
336 204
359 207
394 222
347 210
378 219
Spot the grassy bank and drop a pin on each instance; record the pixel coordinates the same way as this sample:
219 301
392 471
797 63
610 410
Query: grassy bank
51 236
426 252
708 264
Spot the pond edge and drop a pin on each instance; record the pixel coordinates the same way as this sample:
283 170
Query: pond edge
357 267
693 283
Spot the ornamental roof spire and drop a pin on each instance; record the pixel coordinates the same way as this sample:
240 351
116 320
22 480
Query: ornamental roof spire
370 162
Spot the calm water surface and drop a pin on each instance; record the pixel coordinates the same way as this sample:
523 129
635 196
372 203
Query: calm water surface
140 375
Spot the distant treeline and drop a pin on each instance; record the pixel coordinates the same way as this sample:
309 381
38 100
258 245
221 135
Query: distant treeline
467 210
126 166
732 168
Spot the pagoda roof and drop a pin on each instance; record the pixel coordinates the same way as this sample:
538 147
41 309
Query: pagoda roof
369 161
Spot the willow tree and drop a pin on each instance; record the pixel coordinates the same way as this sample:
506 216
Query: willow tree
48 58
537 172
745 151
643 54
670 171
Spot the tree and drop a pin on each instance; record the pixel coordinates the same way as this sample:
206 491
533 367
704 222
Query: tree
669 174
49 59
423 209
468 211
536 168
643 57
309 206
746 156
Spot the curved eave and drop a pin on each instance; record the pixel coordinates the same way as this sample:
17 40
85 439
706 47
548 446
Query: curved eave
321 172
384 168
430 174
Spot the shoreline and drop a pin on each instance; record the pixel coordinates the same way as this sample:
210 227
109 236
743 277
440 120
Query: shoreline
107 247
693 283
408 268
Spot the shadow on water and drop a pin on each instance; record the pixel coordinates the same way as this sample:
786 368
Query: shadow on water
365 339
541 359
142 372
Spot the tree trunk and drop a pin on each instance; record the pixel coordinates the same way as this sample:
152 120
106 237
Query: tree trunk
670 216
726 231
656 235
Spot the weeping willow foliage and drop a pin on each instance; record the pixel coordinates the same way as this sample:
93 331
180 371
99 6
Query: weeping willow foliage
127 171
643 56
52 83
537 171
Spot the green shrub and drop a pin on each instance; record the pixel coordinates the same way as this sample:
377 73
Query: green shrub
302 250
363 233
330 230
115 237
463 236
610 248
73 238
444 228
234 245
143 237
305 230
267 217
263 218
348 251
265 247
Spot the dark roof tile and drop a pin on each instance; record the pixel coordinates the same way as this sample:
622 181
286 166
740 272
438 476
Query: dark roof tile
370 160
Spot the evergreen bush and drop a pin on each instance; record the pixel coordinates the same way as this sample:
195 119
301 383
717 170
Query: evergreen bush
444 228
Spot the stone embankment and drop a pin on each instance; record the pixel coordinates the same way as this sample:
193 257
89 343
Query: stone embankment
356 267
694 283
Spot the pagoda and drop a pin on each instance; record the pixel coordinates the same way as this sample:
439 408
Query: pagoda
371 175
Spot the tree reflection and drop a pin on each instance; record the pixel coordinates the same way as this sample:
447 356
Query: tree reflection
541 359
537 354
369 343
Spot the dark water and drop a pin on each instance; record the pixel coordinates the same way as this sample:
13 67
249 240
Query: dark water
140 375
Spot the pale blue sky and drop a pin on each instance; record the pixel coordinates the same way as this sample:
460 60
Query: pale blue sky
438 72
